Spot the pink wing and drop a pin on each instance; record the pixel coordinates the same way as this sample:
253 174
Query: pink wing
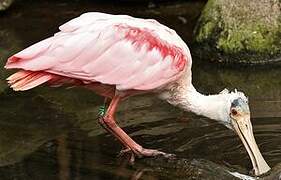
119 50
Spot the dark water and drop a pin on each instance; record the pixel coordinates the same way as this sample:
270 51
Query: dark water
52 133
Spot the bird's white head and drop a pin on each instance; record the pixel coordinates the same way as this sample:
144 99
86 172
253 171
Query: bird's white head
228 108
230 104
237 118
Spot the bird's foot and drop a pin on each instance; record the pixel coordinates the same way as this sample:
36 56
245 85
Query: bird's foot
129 153
152 153
142 152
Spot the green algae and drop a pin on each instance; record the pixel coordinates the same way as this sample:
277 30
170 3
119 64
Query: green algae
247 30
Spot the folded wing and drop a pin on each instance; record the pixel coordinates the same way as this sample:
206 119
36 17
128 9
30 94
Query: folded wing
114 50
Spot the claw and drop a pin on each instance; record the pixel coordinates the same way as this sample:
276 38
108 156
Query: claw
153 153
124 151
144 153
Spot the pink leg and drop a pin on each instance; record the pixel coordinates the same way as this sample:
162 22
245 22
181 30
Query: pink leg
108 122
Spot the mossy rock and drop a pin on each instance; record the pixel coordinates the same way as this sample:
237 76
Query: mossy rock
239 31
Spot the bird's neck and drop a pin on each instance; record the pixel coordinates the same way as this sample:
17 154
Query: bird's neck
211 106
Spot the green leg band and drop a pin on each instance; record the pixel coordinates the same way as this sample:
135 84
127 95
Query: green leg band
102 109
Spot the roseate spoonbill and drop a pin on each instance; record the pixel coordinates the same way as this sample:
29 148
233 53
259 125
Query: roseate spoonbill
118 56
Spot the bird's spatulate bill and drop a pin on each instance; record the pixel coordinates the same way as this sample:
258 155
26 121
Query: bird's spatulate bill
243 128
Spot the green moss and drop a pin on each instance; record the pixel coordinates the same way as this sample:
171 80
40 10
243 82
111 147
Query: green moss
205 31
251 38
208 22
241 27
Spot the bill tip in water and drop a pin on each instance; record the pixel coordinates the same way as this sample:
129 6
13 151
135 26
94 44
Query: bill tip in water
240 122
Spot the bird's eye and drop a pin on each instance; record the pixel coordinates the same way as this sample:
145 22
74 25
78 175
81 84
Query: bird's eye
234 112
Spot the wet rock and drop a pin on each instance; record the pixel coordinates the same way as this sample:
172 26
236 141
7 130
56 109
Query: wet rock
5 4
239 31
181 168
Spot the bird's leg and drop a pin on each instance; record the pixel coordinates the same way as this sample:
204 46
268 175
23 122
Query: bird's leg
110 125
101 114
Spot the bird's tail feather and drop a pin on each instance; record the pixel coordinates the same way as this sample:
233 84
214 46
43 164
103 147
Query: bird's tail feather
24 80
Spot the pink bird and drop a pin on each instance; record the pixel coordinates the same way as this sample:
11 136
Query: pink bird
118 56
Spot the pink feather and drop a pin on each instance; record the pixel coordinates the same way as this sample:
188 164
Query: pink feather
119 50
